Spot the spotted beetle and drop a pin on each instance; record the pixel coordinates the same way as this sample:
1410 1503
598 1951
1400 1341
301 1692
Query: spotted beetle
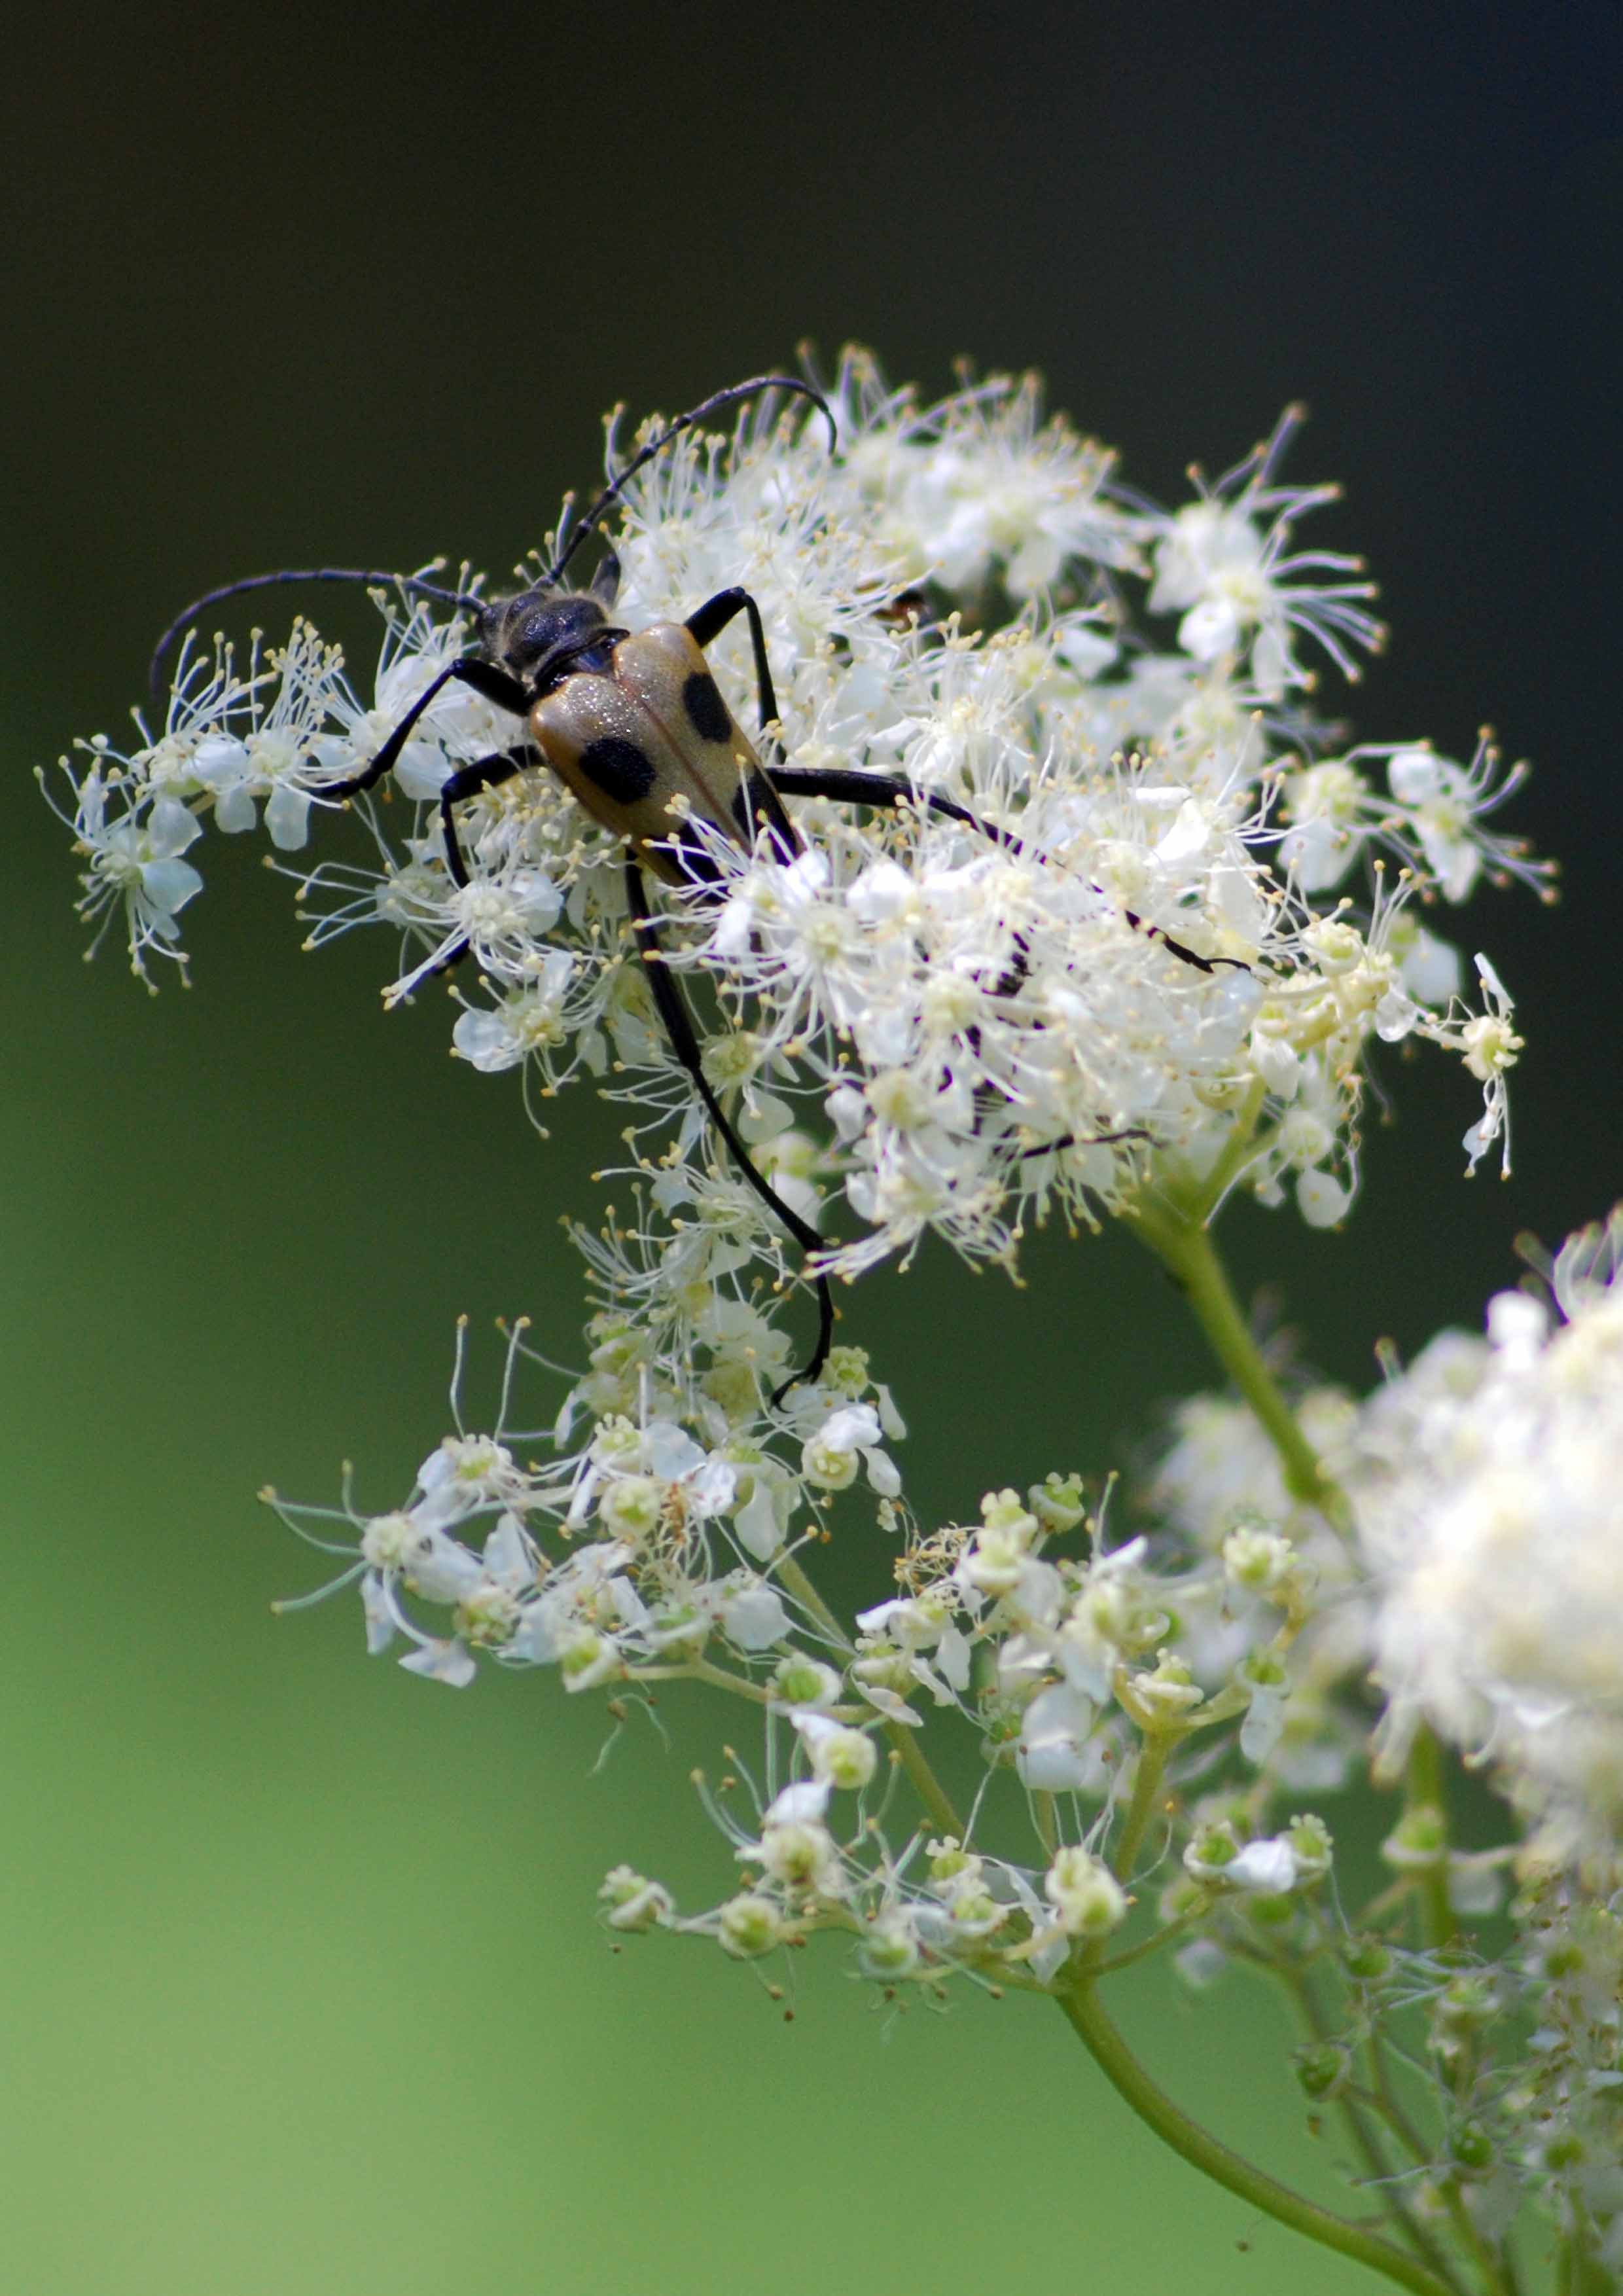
636 726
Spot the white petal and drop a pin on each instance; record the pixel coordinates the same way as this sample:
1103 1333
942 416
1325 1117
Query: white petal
755 1523
1268 1866
422 770
287 817
486 1041
170 828
449 1662
755 1617
882 1474
803 1803
234 810
1321 1199
1208 629
169 885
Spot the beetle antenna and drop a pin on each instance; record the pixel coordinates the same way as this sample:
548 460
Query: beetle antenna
183 621
695 415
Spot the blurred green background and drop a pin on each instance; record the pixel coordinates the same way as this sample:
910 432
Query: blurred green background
299 1985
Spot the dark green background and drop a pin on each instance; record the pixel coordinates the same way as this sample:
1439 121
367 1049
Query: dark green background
299 1983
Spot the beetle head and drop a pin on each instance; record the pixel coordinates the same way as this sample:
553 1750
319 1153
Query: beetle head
527 633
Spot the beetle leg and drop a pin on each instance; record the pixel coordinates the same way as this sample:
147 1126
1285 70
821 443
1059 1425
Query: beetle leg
684 1045
709 621
467 780
880 789
496 685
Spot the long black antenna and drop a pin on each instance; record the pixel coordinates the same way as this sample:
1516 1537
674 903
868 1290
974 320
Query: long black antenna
415 586
183 621
696 415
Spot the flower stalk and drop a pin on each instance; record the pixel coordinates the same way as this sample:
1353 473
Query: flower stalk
1177 1230
1088 2019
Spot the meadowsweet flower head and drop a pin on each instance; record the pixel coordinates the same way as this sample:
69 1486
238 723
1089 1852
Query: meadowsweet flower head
1065 948
1490 1517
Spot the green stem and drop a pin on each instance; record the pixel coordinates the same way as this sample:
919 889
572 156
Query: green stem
790 1574
700 1669
1473 2239
1182 1242
1158 1939
1391 2108
925 1783
1581 2274
1377 2166
1206 2153
1424 1792
1152 1754
1044 1817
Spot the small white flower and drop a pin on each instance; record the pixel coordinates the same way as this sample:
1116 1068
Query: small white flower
840 1756
805 1683
798 1854
135 863
1053 1753
1224 563
749 1925
890 1949
1085 1895
1490 1046
631 1902
829 1458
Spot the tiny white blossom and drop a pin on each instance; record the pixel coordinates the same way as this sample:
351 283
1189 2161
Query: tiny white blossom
1086 1897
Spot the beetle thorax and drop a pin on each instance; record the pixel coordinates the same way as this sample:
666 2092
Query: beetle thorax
543 634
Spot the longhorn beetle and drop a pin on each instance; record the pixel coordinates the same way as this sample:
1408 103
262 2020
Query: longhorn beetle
635 727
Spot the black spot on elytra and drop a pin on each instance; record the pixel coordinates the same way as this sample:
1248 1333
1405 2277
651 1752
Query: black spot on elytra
707 712
618 768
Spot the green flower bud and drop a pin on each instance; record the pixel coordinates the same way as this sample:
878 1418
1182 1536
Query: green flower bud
1322 2068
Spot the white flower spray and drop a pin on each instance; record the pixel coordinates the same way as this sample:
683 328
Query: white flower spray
1122 938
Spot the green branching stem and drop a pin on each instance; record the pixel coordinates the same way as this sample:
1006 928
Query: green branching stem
1356 2109
930 1791
792 1576
1086 2014
1176 1231
1156 1942
1172 1220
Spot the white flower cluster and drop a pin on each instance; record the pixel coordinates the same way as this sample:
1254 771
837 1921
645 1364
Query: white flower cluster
1113 965
1492 1522
1219 1486
664 1519
660 1534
